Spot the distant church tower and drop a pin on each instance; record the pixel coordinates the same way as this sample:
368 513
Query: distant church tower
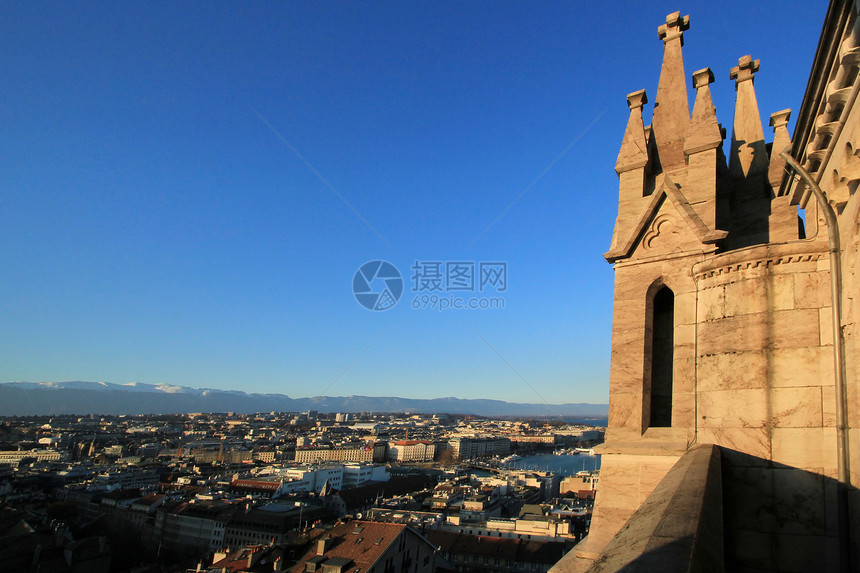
721 327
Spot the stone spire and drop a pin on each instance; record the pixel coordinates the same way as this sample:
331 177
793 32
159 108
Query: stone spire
701 145
671 111
783 221
704 130
748 163
781 140
630 166
634 147
748 157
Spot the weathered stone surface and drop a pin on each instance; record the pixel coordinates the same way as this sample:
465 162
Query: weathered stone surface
803 553
808 366
749 491
712 304
825 322
678 527
744 333
626 410
799 502
781 292
812 290
739 371
813 449
746 297
733 409
798 407
755 441
794 328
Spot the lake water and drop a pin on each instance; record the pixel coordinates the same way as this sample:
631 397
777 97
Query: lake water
561 465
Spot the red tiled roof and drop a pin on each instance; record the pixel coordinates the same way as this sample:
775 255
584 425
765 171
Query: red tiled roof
361 542
238 560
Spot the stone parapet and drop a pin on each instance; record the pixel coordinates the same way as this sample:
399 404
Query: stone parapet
678 527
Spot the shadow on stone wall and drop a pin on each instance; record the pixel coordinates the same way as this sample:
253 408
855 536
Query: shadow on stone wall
722 510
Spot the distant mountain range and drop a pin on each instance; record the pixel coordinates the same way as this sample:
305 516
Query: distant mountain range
41 398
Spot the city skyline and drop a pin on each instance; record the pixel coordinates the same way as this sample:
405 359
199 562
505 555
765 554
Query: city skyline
190 193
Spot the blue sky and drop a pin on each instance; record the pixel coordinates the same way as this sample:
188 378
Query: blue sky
156 228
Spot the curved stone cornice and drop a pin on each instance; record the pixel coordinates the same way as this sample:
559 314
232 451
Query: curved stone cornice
759 256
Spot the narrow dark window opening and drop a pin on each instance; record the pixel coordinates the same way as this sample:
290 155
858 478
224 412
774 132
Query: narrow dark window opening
662 358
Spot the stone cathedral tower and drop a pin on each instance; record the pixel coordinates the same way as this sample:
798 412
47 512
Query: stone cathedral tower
722 330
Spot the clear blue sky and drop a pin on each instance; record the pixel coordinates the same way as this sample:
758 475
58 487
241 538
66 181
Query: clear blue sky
153 228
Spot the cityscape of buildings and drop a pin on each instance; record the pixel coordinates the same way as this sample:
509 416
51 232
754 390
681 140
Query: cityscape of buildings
733 428
199 491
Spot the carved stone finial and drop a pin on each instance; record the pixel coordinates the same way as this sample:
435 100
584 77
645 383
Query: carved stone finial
780 119
745 70
674 27
703 78
636 99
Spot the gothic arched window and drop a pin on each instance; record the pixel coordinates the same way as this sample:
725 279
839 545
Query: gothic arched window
662 357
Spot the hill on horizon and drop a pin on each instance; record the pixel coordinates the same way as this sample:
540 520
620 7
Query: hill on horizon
76 397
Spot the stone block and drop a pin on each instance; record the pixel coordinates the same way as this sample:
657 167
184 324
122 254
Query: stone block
853 391
831 496
825 321
684 409
794 328
854 440
812 290
735 458
685 335
753 441
711 304
803 553
812 449
749 548
746 297
801 366
733 409
781 292
630 287
799 501
625 410
828 405
742 370
650 474
748 499
619 483
627 330
606 522
626 381
797 407
743 333
684 373
685 308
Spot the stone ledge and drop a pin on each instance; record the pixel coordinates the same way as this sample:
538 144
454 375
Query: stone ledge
643 448
678 528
